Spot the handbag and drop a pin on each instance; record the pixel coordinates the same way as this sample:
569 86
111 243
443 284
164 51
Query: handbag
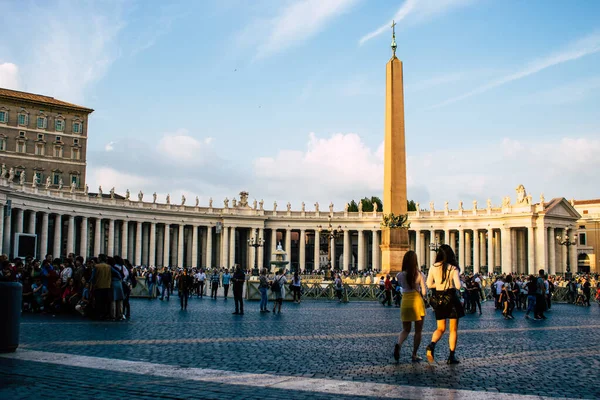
442 299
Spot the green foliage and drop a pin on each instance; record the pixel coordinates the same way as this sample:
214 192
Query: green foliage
393 221
353 207
368 204
411 205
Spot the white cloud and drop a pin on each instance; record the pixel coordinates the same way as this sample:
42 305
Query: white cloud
418 11
580 48
110 146
298 22
9 76
181 147
108 178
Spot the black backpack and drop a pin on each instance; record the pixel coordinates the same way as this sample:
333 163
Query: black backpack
133 280
275 286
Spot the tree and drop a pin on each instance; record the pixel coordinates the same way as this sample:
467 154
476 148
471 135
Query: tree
411 205
367 204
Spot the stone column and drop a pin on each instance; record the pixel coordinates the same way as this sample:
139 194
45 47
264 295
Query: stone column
83 243
125 239
138 243
97 237
7 226
111 237
551 251
497 249
563 263
288 245
347 250
482 249
517 259
260 261
476 258
531 250
506 250
253 238
447 236
467 249
188 245
490 251
418 247
195 246
2 230
317 255
180 243
152 245
160 244
361 250
57 235
209 237
430 253
225 247
32 221
71 235
333 255
167 246
375 250
19 218
302 255
232 247
44 236
461 248
273 240
453 240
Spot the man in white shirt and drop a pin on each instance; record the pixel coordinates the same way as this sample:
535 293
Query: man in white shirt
200 277
498 285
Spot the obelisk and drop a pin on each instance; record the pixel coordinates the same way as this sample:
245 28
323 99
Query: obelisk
394 242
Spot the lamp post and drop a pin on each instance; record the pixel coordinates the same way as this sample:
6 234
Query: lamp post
255 242
331 233
434 247
566 241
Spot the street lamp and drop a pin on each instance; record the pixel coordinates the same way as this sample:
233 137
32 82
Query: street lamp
331 233
566 241
434 247
256 243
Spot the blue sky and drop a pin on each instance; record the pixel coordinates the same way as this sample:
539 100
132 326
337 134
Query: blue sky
285 99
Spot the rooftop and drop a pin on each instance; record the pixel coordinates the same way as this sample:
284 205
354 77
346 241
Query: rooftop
38 98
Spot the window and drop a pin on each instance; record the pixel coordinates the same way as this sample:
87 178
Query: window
56 178
22 134
75 154
18 173
3 117
582 239
59 125
23 119
75 142
58 151
40 136
40 149
58 139
38 177
2 144
21 147
41 122
76 127
75 180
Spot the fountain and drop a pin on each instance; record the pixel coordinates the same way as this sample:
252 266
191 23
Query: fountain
279 258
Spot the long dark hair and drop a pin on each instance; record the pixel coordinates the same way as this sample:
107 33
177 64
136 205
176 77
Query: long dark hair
446 256
410 267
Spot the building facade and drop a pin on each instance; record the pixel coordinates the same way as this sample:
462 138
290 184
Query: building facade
588 234
42 139
517 236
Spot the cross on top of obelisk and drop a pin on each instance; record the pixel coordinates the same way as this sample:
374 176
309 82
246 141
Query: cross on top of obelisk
394 39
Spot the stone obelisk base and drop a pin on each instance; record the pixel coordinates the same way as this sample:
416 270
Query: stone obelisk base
394 245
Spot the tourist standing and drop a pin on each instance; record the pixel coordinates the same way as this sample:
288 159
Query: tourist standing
200 277
184 284
239 278
444 279
116 305
412 309
339 287
225 280
540 296
263 287
166 279
101 278
296 287
531 288
508 298
214 283
387 287
278 287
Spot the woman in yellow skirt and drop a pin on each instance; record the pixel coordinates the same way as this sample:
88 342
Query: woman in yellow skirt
412 308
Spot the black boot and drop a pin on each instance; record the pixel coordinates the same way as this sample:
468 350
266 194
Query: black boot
429 351
397 352
452 359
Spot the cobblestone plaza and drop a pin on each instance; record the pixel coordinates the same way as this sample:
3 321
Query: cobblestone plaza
317 349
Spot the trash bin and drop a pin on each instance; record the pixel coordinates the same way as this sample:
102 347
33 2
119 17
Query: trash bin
10 314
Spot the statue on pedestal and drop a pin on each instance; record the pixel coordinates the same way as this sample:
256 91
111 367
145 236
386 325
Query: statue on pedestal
60 184
226 202
254 204
289 206
346 206
182 200
243 199
127 194
197 201
22 178
73 186
445 206
99 188
168 200
474 204
506 201
261 203
331 207
417 206
360 206
489 203
234 202
3 171
431 206
317 206
49 182
375 206
275 206
34 182
210 201
86 190
542 199
460 205
279 247
521 195
11 174
154 197
112 193
303 207
140 196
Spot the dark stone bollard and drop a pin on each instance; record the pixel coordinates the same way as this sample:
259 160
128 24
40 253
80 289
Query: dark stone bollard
10 315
